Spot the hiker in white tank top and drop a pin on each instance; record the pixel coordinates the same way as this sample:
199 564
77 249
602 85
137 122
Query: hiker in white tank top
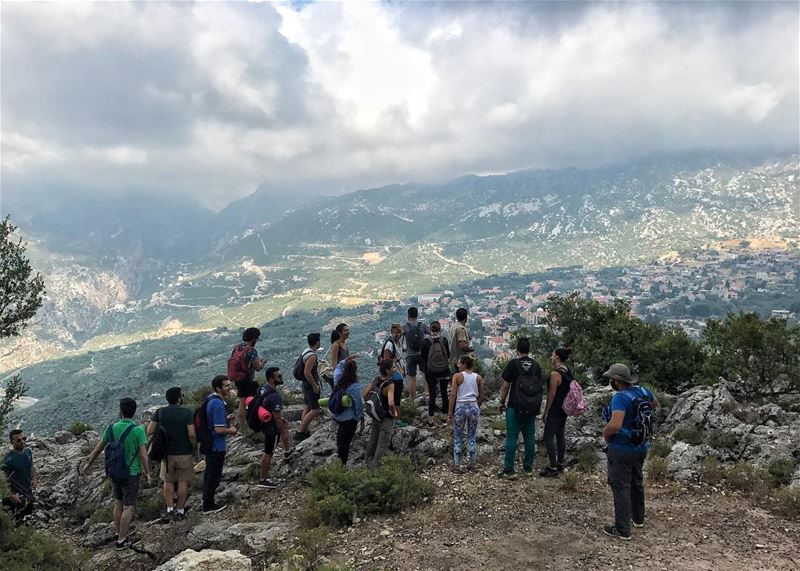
465 411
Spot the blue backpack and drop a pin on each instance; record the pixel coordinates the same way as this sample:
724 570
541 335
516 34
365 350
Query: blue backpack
116 467
335 402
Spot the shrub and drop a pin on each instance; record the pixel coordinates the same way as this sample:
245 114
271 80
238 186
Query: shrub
587 458
337 494
786 502
312 543
290 397
711 472
409 411
240 460
719 439
195 397
149 509
253 471
77 428
747 477
688 433
656 469
569 482
781 470
603 399
661 448
498 424
102 515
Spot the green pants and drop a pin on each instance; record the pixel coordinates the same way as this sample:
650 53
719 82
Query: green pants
516 423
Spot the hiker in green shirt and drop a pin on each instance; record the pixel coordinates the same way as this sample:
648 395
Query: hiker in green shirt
135 454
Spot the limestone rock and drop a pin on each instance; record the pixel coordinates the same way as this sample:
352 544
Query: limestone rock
207 560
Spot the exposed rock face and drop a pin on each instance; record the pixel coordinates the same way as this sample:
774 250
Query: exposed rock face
207 560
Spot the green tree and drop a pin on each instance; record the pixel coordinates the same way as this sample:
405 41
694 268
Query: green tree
21 291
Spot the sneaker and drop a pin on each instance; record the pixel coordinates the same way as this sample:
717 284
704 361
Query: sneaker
268 484
471 467
614 532
288 454
560 467
178 516
456 469
214 509
527 471
639 525
166 516
125 543
549 472
507 475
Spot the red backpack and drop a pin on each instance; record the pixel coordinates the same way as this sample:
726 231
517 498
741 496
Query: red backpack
238 370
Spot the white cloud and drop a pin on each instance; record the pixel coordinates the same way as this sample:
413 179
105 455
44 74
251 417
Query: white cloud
214 98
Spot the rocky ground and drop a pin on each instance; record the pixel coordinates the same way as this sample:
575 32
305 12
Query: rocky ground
471 520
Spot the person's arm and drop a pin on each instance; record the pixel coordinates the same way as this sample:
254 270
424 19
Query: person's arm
614 425
152 426
283 429
555 381
481 391
308 372
192 435
387 354
366 390
390 390
220 421
453 395
94 454
504 388
334 353
34 473
145 463
426 347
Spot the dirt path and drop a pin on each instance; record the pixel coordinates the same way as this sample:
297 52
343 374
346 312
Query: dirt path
478 521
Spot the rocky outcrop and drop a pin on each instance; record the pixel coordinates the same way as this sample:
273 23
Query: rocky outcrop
207 560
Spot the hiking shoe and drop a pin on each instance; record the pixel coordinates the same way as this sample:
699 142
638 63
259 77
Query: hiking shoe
214 509
549 472
456 469
124 544
614 532
471 467
287 455
507 475
560 467
178 516
300 436
639 525
166 516
268 483
527 471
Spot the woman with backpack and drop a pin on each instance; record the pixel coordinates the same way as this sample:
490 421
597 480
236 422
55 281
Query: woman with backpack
436 356
468 394
555 418
346 414
385 392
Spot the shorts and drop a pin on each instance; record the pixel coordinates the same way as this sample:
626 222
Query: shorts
178 468
128 491
246 389
414 363
310 398
270 440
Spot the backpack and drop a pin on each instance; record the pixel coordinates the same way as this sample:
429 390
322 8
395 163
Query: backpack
642 430
238 370
574 404
383 350
372 404
253 419
437 356
158 446
299 371
528 390
414 336
201 427
335 404
114 455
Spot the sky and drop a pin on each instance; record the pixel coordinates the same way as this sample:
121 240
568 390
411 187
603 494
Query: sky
210 100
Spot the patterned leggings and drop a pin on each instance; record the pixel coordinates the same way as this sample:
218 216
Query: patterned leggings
467 413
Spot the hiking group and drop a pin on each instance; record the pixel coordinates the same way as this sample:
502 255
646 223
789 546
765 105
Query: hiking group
174 433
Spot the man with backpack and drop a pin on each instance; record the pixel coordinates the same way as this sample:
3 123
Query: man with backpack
521 393
21 474
436 356
459 339
305 371
242 366
628 434
215 424
414 332
125 447
173 436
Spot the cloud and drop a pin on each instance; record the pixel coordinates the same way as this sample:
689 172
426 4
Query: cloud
212 99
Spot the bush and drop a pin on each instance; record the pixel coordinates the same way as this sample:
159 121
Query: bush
569 482
781 470
656 469
689 434
587 458
711 472
409 411
253 471
102 515
338 494
661 448
718 439
77 428
498 424
747 477
786 502
290 397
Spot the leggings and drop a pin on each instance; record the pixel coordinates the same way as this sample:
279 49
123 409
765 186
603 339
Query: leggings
466 415
554 426
437 382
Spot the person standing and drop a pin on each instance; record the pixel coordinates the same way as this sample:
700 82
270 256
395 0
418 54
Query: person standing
177 469
627 449
459 339
520 412
339 348
219 431
436 357
380 434
555 419
468 394
242 366
350 416
310 385
271 401
21 475
414 332
133 439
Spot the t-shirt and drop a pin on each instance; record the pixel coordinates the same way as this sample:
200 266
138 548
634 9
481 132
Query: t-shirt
175 419
271 400
397 383
561 392
423 331
512 372
250 357
18 467
457 333
307 354
215 411
136 437
623 401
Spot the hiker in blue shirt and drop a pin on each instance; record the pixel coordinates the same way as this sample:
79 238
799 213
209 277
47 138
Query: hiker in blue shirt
218 421
628 436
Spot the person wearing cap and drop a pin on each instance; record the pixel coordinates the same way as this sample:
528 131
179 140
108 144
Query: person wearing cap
625 458
177 469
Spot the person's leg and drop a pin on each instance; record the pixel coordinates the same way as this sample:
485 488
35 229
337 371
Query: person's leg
212 477
125 522
472 431
372 443
183 494
304 413
561 442
637 488
344 436
528 426
512 433
459 421
443 386
130 493
169 495
550 427
270 441
431 384
384 439
266 465
311 400
117 516
411 377
619 478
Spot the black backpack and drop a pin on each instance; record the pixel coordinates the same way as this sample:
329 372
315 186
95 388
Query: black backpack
642 430
372 404
253 420
201 427
158 446
438 356
299 371
414 336
529 388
